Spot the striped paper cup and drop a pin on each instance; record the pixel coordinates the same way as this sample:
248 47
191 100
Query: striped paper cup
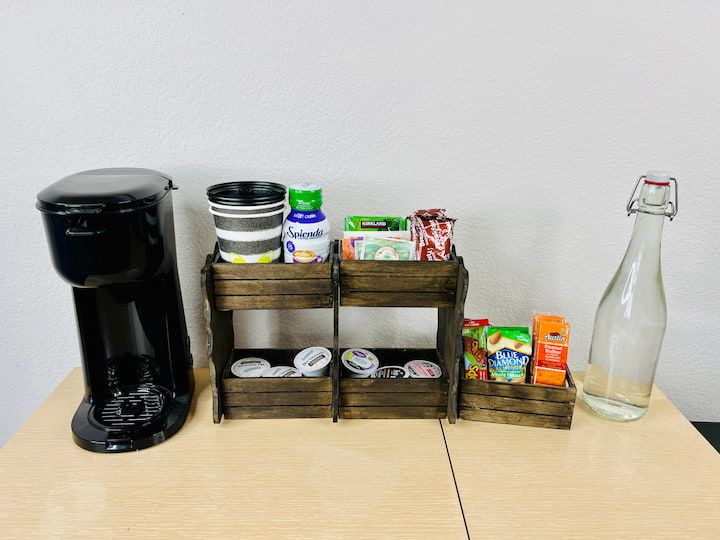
248 220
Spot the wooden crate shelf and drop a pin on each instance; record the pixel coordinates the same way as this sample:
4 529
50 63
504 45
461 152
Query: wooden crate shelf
230 287
519 404
339 283
442 285
395 398
399 283
295 397
272 286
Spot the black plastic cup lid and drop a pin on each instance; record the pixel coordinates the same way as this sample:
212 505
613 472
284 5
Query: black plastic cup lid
246 193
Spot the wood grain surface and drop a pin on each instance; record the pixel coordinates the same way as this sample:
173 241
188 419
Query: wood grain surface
299 478
654 478
310 478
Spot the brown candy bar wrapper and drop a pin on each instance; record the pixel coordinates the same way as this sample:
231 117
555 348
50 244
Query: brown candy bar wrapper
432 232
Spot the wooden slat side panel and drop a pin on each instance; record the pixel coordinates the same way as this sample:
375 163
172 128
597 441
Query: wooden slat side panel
271 399
496 403
220 336
348 385
282 384
247 413
406 399
519 419
397 299
449 340
273 302
223 270
392 412
521 391
353 283
398 269
259 287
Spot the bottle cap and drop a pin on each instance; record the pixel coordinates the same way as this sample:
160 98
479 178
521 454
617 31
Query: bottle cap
657 177
305 197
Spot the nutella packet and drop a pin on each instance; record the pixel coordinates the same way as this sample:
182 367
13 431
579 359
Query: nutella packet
474 340
509 350
432 232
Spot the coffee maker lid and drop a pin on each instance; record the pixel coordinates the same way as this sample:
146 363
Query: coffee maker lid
112 190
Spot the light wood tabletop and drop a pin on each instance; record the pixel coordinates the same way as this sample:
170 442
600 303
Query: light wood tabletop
312 478
653 478
306 478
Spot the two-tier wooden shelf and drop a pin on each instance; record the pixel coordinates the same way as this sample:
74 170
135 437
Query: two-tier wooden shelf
344 283
230 287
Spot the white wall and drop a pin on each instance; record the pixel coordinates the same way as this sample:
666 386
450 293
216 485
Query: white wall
528 121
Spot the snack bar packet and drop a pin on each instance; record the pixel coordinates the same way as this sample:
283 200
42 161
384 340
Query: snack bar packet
357 227
432 232
474 340
551 338
508 349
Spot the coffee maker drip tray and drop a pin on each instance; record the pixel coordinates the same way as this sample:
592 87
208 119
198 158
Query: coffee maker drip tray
131 408
132 411
134 417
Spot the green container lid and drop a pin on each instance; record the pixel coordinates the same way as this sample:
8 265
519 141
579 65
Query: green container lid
305 197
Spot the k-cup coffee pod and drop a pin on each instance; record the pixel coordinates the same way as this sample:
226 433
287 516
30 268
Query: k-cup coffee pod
390 372
249 367
423 369
281 371
359 363
313 361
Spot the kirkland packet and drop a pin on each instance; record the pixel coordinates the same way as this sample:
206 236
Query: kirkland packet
356 228
509 349
366 224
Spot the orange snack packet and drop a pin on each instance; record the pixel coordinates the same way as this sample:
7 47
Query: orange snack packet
551 339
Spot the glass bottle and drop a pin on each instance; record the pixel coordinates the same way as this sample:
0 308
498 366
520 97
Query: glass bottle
306 231
631 317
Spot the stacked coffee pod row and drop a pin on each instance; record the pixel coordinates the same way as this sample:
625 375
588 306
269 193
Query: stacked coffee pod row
310 362
361 363
315 362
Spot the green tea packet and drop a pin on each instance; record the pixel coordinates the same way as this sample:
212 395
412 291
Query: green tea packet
385 249
368 224
357 227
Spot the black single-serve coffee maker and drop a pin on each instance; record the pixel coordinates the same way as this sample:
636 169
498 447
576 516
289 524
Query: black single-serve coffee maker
111 236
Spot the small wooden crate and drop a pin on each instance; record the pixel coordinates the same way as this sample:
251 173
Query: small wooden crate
396 398
292 397
519 404
229 287
272 286
400 283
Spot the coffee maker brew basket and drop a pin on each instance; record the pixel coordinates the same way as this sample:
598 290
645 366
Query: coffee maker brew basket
111 236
